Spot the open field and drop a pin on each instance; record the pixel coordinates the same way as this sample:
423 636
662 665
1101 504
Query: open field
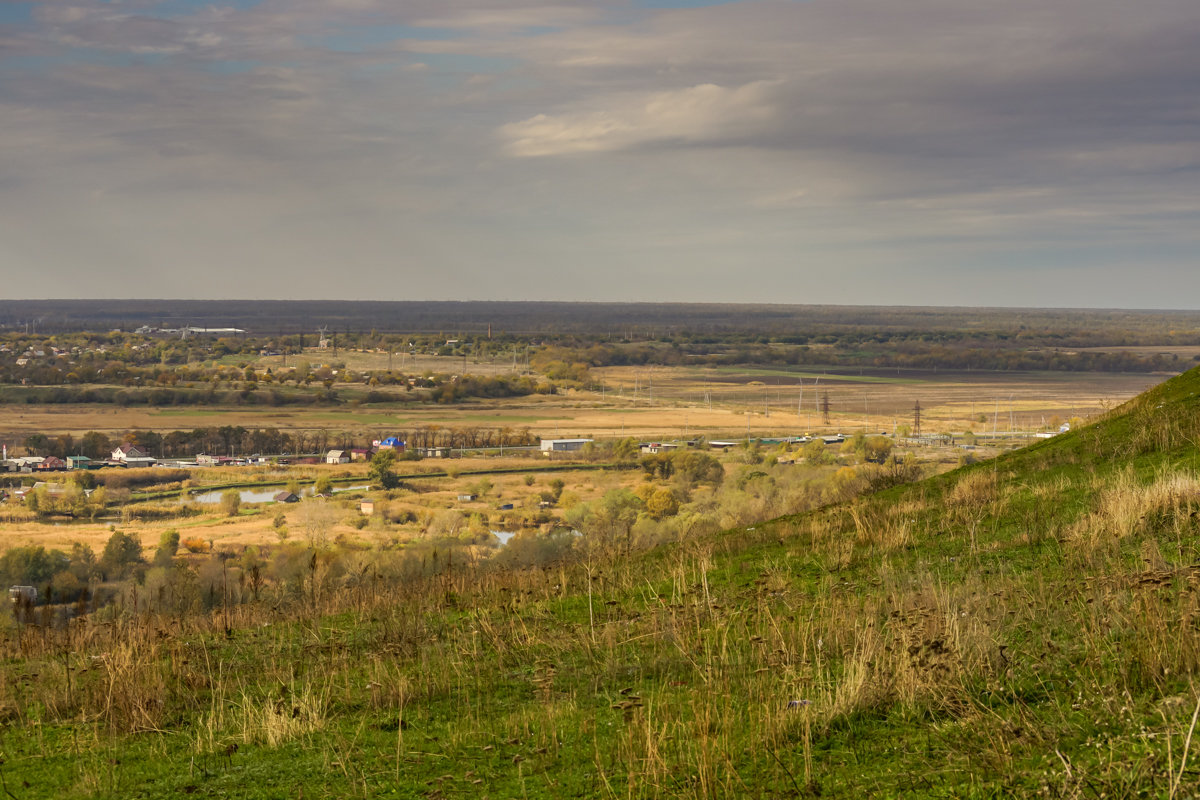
402 361
663 402
876 400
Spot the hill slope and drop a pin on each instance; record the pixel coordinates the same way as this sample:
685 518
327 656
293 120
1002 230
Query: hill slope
1024 626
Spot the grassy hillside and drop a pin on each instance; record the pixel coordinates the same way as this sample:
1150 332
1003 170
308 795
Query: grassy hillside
1028 626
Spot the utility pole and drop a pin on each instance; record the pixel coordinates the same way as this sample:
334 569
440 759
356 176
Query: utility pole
917 418
825 406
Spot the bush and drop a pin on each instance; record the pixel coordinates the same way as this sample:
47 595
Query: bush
196 545
231 502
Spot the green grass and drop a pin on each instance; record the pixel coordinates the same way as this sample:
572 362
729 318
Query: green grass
1025 626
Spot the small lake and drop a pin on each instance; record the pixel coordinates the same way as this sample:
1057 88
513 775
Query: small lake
261 495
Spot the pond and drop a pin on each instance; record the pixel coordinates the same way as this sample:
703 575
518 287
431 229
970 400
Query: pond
260 495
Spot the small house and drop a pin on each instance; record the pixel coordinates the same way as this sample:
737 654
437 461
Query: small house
130 455
366 507
337 457
468 498
360 454
78 462
286 497
23 594
51 464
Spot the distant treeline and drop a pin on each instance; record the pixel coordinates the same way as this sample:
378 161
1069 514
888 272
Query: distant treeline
574 361
235 440
441 390
608 320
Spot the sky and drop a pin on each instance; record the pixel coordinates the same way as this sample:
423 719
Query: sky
926 152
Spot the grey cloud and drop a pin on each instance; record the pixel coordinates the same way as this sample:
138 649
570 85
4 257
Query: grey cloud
669 151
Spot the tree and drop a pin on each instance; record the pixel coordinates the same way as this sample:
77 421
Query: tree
662 504
381 472
96 445
814 452
323 485
121 554
168 545
609 520
231 502
31 565
877 449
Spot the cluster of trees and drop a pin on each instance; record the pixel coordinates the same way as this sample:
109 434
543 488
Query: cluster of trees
853 351
63 577
238 440
694 466
50 385
72 501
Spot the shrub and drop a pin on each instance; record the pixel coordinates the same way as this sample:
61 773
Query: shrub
196 545
231 502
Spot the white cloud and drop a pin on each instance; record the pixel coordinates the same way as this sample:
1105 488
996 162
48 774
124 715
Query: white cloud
695 115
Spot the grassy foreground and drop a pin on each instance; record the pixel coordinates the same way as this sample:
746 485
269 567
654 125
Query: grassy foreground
1028 626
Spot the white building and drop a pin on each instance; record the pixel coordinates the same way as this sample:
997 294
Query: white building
562 445
132 456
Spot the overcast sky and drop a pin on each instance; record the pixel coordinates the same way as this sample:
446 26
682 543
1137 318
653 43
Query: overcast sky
1024 152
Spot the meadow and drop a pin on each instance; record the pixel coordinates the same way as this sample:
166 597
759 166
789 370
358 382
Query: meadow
1025 626
887 618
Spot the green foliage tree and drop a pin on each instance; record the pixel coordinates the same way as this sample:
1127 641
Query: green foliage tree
695 466
382 473
607 522
168 545
83 562
83 479
31 565
323 485
815 452
625 449
122 553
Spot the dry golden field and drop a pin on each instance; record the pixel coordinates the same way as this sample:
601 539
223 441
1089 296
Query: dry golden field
665 402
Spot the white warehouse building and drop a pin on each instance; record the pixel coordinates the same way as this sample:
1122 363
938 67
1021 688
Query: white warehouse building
562 445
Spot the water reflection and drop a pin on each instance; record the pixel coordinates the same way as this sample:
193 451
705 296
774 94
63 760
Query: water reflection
260 495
